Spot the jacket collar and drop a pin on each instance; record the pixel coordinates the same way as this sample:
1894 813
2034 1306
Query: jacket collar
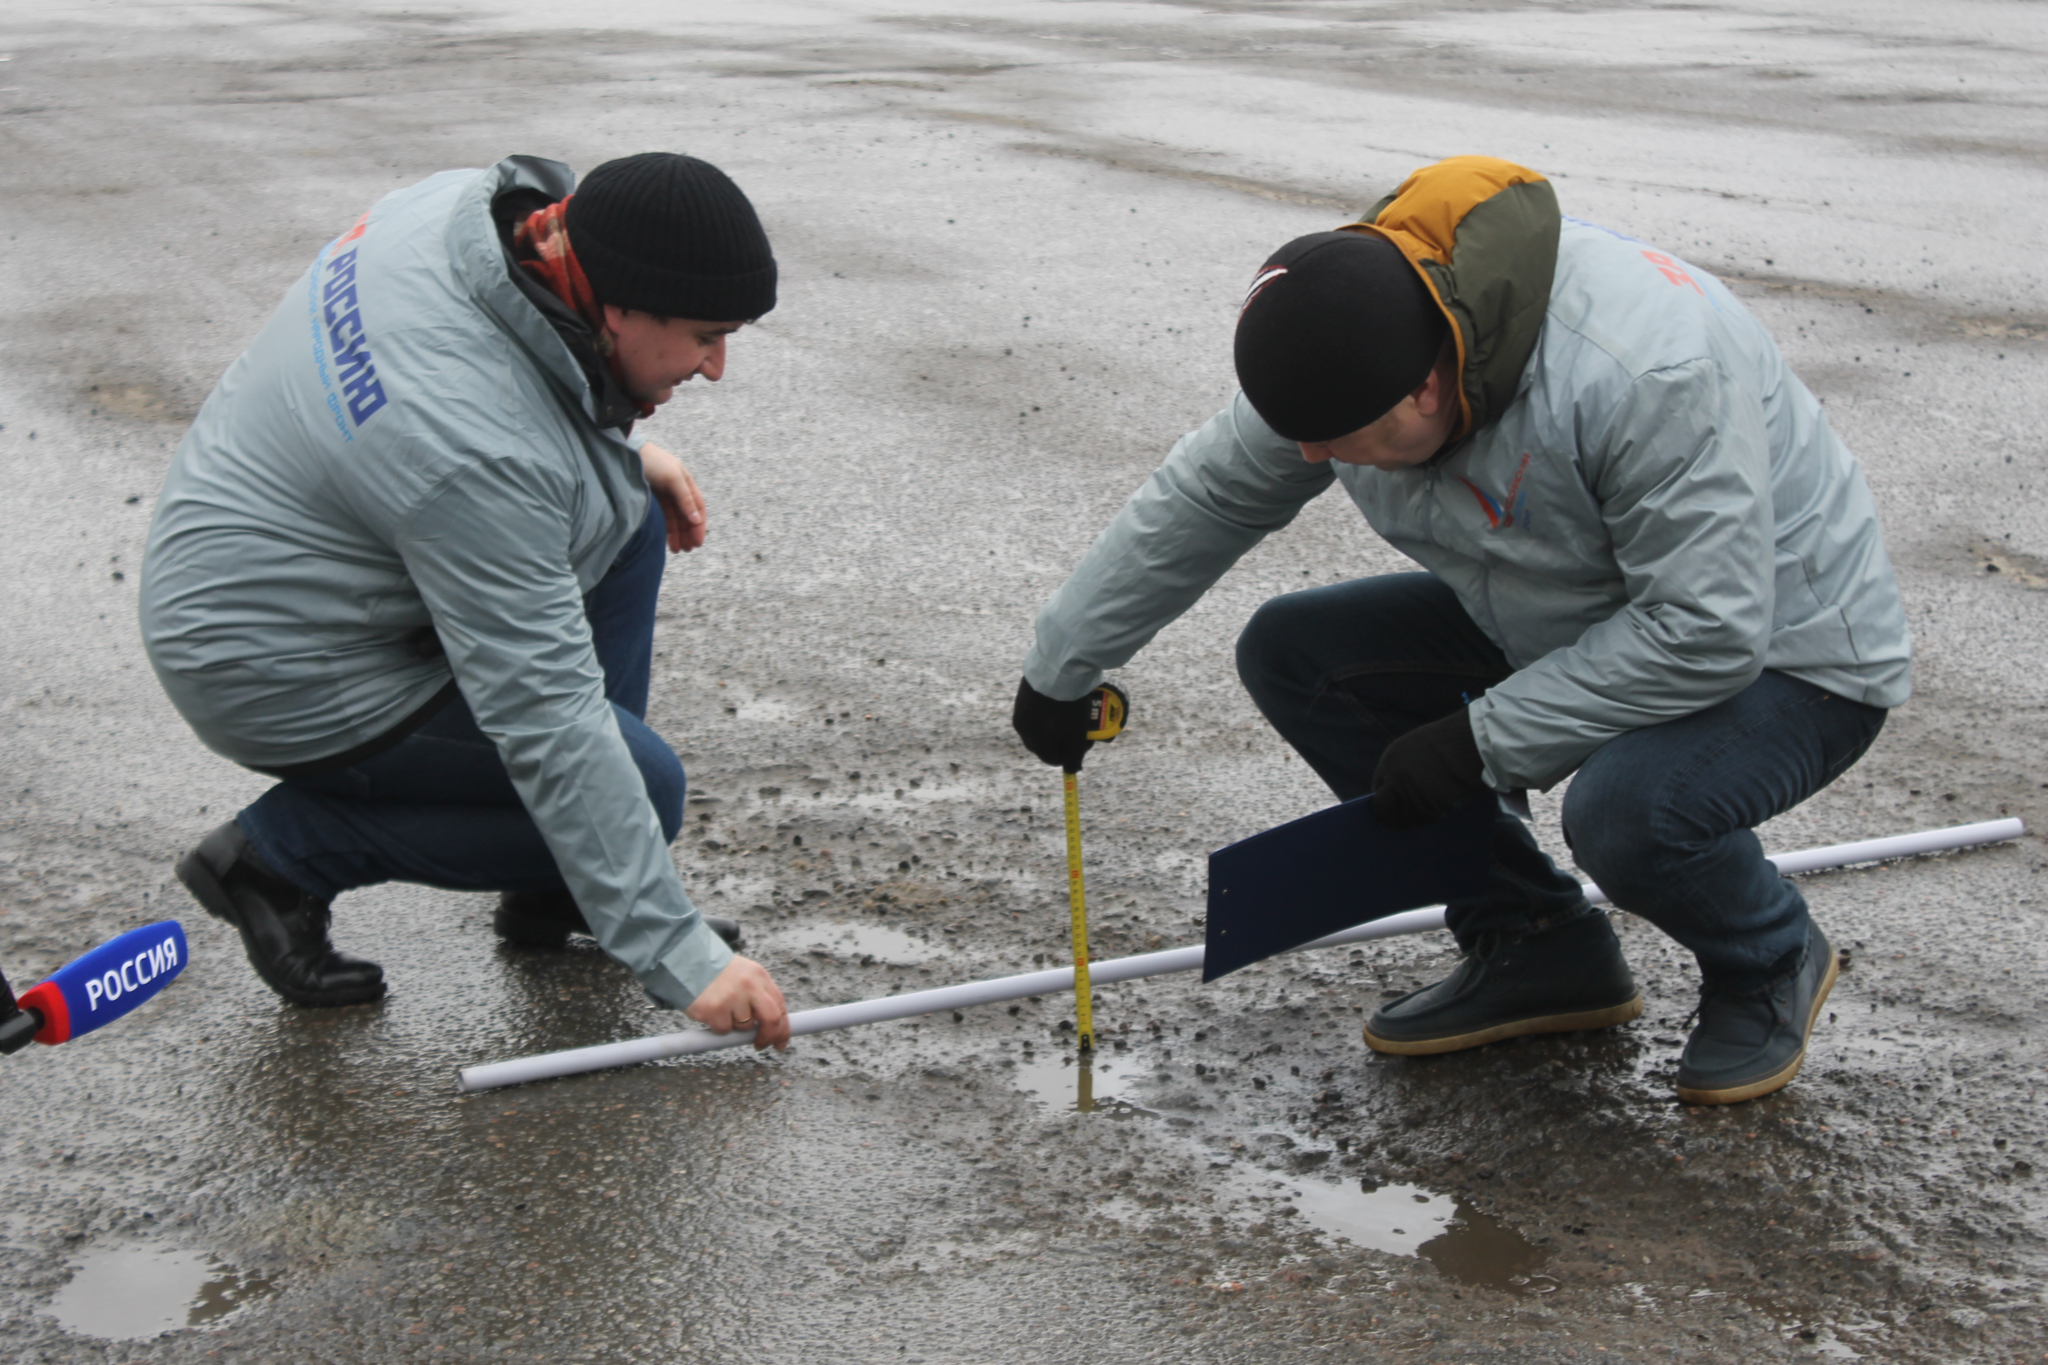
1482 233
539 322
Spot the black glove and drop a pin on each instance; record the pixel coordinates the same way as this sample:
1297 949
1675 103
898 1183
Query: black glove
1426 772
1056 731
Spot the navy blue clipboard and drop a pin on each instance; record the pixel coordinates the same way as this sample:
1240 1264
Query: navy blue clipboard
1334 869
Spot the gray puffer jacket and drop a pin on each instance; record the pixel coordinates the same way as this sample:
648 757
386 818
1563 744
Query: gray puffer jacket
1646 508
408 450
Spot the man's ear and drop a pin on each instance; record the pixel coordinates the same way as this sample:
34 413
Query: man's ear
614 316
1439 389
1429 395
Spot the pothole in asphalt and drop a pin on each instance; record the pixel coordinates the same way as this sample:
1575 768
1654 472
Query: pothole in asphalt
869 943
1405 1220
1402 1220
1066 1086
128 1293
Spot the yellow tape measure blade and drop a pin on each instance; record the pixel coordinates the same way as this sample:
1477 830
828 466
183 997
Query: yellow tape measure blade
1077 904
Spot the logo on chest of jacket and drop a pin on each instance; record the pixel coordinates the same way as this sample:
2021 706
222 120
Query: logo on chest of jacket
1509 510
342 319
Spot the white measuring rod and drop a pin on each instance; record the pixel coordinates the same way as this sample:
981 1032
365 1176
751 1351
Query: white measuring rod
1055 979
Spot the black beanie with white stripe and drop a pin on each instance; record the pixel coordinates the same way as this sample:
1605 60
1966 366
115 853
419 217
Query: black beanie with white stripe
1336 329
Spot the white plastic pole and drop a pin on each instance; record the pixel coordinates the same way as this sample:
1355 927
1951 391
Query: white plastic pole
1052 980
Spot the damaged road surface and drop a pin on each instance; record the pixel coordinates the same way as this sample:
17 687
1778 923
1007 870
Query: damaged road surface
1013 239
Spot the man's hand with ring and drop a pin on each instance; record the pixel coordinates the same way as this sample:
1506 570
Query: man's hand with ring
744 996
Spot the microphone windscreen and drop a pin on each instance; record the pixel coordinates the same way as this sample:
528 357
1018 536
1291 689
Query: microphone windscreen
94 990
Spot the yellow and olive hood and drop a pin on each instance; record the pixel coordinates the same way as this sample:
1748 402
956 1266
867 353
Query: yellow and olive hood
1482 233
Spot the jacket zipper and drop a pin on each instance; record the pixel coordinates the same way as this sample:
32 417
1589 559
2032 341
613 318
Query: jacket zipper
1485 573
1486 593
1429 505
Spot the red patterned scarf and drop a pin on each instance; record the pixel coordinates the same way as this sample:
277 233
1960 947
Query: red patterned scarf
541 244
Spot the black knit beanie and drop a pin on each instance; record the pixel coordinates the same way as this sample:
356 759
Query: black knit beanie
671 235
1336 330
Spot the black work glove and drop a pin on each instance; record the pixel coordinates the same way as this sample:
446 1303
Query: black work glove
1426 772
1056 731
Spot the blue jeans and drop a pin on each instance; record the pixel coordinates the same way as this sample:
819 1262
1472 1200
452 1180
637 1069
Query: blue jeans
438 807
1663 818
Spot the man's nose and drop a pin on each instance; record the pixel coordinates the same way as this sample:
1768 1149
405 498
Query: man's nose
713 364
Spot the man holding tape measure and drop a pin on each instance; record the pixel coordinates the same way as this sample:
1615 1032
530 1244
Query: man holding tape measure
1648 565
406 562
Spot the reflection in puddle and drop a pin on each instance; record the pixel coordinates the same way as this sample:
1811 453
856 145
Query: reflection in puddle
127 1293
1063 1086
1403 1220
862 942
1406 1220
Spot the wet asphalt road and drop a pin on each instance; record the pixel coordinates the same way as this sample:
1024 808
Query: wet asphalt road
1013 237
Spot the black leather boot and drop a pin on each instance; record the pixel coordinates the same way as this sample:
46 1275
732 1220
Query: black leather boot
545 919
1556 980
284 930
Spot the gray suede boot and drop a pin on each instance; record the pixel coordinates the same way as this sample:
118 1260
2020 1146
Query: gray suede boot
1556 980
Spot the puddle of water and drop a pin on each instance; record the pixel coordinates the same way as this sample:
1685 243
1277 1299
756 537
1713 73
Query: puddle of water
129 1293
1407 1220
1403 1220
861 941
1063 1085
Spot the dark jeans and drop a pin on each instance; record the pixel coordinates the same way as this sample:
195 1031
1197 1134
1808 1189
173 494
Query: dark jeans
438 807
1662 818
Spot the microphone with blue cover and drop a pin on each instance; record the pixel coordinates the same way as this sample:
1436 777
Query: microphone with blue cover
94 990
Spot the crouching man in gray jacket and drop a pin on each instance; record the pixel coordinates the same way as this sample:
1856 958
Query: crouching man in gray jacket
1647 561
406 561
